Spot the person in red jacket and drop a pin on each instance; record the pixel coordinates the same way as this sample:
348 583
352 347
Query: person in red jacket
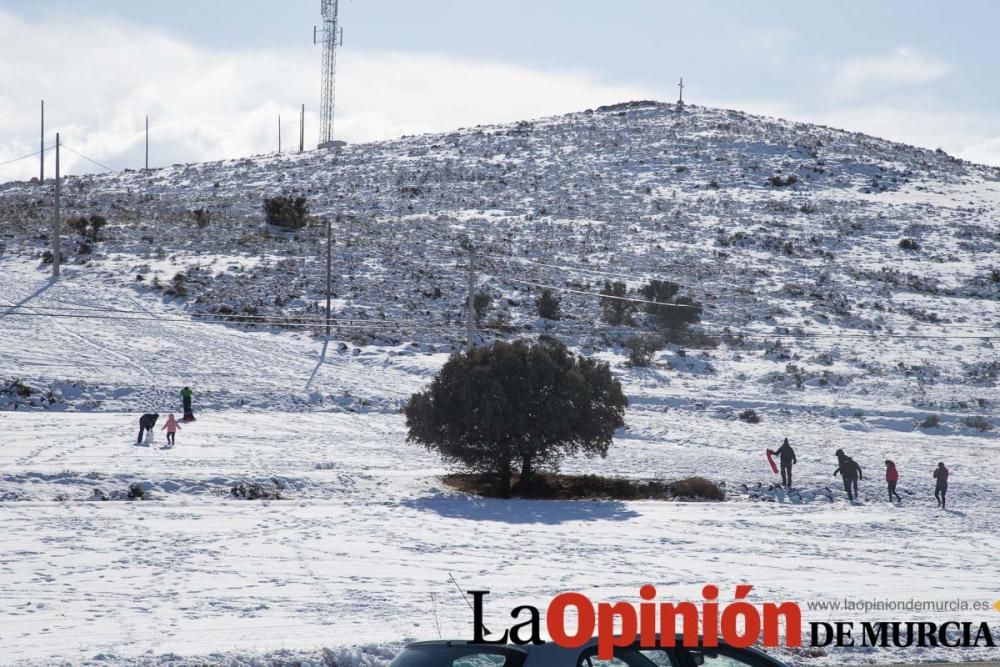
941 488
892 477
171 427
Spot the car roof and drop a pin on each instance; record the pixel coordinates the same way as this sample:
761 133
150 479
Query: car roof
550 647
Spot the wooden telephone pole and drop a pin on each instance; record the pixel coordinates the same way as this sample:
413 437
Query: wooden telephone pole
56 222
329 271
471 322
302 129
41 155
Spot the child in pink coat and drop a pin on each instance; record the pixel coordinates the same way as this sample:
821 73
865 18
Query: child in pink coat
892 478
171 427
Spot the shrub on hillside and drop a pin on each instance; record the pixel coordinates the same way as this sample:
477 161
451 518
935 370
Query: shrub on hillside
255 491
909 244
661 291
616 310
480 304
548 306
48 257
178 287
670 311
679 315
89 227
286 212
78 225
202 217
517 403
697 487
691 338
930 421
979 423
750 416
641 350
780 181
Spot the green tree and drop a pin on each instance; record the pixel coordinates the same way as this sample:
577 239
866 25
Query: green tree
616 309
97 223
670 311
517 404
286 212
641 350
548 305
683 312
480 304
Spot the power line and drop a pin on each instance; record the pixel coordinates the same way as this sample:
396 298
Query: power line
375 325
566 267
756 334
853 266
236 319
20 111
602 296
25 157
608 296
195 315
102 166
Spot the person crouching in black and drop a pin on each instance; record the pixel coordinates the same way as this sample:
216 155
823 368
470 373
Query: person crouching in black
146 424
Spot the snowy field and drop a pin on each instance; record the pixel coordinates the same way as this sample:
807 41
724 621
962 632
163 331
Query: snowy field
830 331
367 535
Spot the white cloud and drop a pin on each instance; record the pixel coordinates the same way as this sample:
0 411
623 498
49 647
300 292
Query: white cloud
100 79
903 67
986 152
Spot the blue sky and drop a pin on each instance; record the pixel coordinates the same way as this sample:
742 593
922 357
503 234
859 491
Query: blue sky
921 72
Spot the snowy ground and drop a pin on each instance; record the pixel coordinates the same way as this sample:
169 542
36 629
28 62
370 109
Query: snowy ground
367 535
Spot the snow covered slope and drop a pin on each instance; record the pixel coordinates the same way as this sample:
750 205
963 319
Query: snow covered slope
829 330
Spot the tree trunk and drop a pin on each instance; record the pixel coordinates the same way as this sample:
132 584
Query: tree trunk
526 474
503 480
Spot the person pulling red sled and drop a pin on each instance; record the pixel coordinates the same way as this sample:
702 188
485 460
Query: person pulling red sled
787 457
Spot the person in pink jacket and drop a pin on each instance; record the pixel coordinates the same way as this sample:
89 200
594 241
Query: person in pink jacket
171 427
891 478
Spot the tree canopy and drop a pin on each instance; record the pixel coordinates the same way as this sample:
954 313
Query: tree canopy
517 403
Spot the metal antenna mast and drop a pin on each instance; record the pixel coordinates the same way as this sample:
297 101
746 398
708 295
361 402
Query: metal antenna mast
333 36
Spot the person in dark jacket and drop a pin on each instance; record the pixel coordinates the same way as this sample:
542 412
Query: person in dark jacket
786 456
941 487
891 478
850 471
186 396
146 424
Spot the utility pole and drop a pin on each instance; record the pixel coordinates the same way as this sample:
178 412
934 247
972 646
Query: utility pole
472 300
147 143
302 129
279 134
56 223
329 270
41 155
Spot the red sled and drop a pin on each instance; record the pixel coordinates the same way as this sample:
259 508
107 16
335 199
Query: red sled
770 459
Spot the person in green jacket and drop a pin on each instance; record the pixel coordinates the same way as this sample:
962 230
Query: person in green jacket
186 395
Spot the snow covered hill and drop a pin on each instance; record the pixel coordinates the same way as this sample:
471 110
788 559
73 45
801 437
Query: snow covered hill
790 234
